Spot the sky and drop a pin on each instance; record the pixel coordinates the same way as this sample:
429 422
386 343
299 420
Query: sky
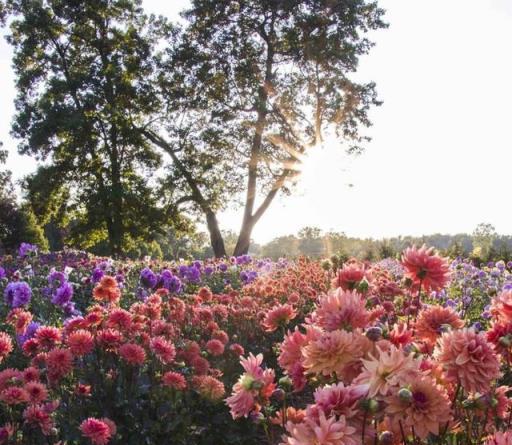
441 151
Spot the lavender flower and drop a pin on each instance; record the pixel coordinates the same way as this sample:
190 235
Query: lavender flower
148 278
17 294
26 250
62 294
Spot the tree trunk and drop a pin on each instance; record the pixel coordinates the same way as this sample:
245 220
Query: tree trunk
244 239
217 242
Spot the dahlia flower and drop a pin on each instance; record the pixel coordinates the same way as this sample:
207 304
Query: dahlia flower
5 345
254 386
425 267
132 353
320 431
174 380
434 320
501 307
278 316
339 399
36 391
426 408
341 310
96 430
349 276
163 349
469 359
208 387
500 438
37 415
80 342
333 352
389 369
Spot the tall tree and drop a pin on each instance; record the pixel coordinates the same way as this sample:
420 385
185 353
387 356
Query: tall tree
274 77
83 72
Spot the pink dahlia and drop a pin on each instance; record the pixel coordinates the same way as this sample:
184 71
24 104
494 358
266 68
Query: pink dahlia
290 357
389 369
215 347
254 387
5 345
37 415
80 342
333 352
423 266
500 438
208 387
96 430
339 399
501 307
163 349
60 362
36 391
132 353
174 380
423 405
320 431
278 316
341 310
349 276
435 320
468 358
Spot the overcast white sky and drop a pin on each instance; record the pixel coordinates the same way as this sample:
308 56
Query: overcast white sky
441 155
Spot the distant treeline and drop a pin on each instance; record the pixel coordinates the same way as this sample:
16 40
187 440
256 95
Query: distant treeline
484 244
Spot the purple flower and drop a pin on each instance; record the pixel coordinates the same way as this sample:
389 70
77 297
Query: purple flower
148 278
208 270
17 293
55 279
32 327
70 310
97 275
193 274
223 267
2 273
26 250
63 294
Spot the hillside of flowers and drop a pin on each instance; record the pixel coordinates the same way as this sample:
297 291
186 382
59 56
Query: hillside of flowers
414 350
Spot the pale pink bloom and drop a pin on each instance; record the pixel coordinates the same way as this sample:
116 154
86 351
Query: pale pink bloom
333 352
389 369
426 267
469 359
500 438
320 431
349 276
426 411
340 400
341 310
501 307
255 385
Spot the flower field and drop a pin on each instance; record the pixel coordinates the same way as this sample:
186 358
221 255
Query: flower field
244 350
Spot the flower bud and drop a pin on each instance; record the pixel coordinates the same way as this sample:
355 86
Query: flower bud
286 383
374 333
386 438
369 405
363 286
505 341
278 395
405 395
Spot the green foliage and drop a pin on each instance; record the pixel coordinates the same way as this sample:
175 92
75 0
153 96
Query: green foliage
248 87
82 74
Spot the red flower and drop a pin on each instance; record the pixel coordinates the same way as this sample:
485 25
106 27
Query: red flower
96 430
133 353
